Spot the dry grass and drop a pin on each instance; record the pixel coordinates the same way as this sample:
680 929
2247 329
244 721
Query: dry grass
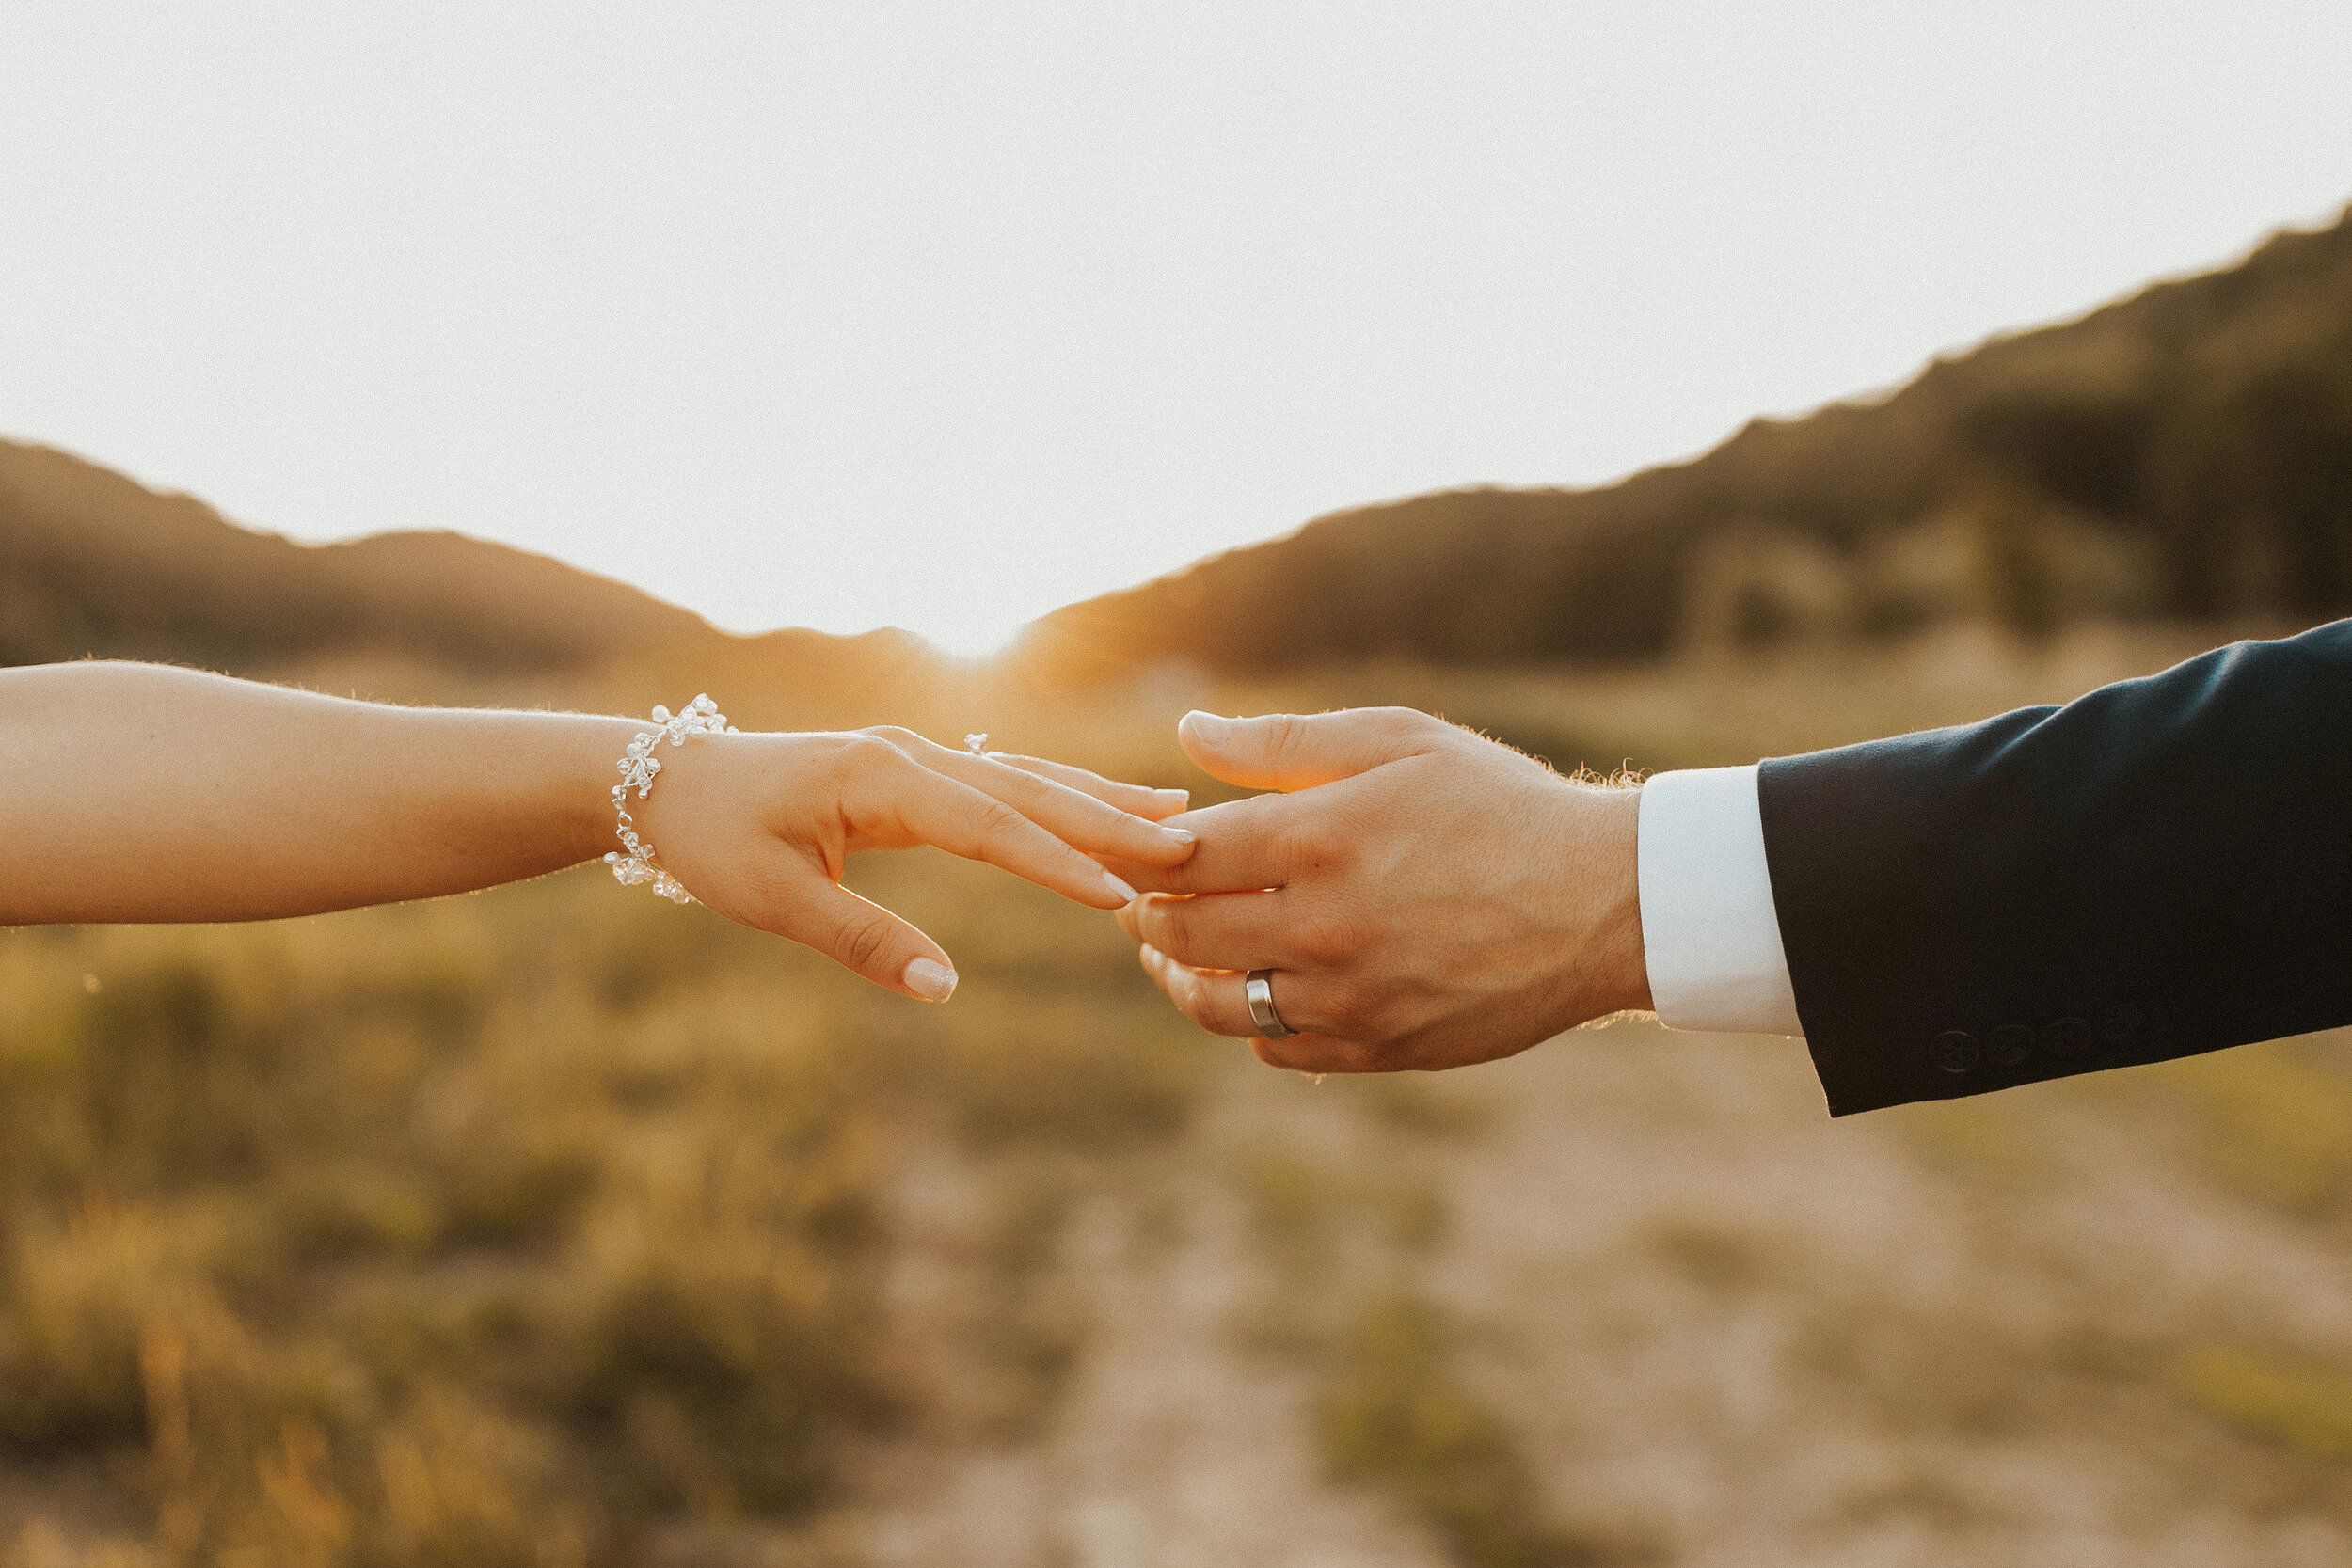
559 1227
2301 1404
1393 1413
508 1229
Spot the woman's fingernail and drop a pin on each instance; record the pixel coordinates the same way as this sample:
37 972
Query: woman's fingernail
1176 794
930 979
1126 894
1182 835
1209 727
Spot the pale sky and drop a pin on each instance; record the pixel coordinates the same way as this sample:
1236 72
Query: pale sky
939 316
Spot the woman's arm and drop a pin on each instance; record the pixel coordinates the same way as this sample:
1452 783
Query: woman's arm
140 792
145 793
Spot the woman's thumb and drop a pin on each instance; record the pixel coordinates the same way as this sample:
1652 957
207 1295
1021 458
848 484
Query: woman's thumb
867 939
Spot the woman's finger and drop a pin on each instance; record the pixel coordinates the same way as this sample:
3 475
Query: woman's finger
1142 801
933 808
1082 821
865 938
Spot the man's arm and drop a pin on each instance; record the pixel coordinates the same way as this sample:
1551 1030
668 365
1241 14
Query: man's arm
2162 867
2159 868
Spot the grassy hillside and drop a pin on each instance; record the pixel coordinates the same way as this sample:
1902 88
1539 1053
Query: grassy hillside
93 564
2185 453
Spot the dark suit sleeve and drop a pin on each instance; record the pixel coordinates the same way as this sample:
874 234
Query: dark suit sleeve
2162 867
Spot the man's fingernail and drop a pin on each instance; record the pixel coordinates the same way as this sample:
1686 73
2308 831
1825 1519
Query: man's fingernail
1126 894
1182 835
1209 728
930 979
1178 794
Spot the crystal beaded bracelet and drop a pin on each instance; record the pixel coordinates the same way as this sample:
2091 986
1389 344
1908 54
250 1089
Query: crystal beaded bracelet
638 766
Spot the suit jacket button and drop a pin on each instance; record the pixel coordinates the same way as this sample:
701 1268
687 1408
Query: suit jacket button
2066 1036
2008 1045
1954 1050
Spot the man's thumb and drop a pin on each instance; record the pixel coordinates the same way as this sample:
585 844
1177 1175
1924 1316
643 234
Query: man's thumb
1294 751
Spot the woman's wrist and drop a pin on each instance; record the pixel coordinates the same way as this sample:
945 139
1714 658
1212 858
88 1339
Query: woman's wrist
525 793
588 787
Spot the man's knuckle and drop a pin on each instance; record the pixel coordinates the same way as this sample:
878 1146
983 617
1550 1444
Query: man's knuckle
1168 923
1285 734
1196 1005
1328 939
1377 1018
1383 1024
1345 1014
1411 726
1308 839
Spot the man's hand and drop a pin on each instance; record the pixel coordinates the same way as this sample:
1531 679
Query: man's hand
1423 897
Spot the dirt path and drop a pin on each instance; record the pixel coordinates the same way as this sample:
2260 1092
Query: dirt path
1720 1327
1170 1447
1769 1338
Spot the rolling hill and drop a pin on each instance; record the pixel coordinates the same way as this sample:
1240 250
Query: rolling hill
94 563
2184 453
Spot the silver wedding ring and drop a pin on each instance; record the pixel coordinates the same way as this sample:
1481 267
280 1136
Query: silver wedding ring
1259 989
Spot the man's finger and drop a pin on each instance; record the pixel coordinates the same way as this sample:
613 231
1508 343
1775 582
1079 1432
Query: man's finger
1203 995
1262 841
1211 999
1294 751
1152 806
1214 998
1316 1054
866 939
935 809
1220 930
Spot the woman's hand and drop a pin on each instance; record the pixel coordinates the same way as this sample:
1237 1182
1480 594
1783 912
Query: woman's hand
759 826
145 793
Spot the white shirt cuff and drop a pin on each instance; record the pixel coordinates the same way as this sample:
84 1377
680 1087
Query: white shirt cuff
1709 933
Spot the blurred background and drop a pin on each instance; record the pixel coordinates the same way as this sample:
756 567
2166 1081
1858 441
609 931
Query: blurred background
556 360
